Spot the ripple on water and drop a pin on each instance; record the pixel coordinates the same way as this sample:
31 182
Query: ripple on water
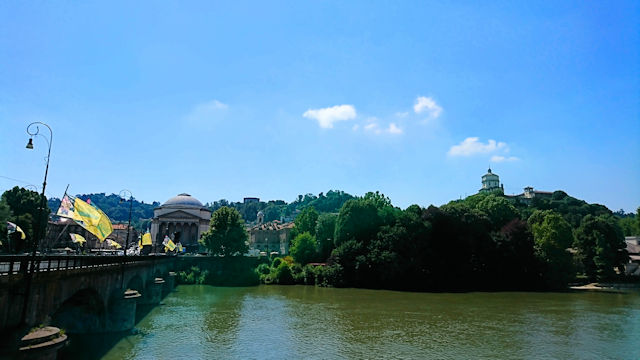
274 322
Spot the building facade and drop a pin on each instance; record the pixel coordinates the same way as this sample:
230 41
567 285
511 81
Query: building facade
272 236
490 182
183 218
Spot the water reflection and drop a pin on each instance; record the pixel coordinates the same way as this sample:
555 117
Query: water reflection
265 322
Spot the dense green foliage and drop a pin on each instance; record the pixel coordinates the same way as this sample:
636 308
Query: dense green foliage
331 202
306 221
226 235
601 246
552 236
303 248
325 232
24 207
629 222
486 241
5 215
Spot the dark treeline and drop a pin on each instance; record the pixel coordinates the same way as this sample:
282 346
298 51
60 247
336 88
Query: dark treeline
486 241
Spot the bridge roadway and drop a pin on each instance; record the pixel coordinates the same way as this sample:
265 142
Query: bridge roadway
81 294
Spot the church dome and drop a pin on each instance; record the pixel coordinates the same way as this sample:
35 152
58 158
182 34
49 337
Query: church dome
183 200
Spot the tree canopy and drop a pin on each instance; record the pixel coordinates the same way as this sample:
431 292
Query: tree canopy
226 235
303 248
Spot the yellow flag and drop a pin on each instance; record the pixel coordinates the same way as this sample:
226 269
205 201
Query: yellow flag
104 225
78 238
113 243
146 239
92 219
11 228
85 213
170 245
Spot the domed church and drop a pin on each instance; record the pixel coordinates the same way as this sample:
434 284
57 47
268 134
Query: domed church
490 182
183 218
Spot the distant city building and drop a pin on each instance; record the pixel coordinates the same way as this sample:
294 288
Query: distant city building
57 236
529 193
119 234
490 182
248 200
270 236
633 248
183 218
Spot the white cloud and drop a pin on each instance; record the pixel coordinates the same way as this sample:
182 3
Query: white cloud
471 146
208 111
327 116
500 158
373 127
393 129
428 105
402 114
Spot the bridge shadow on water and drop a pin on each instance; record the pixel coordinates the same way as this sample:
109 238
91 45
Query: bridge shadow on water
91 346
96 346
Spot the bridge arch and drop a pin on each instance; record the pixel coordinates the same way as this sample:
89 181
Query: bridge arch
83 312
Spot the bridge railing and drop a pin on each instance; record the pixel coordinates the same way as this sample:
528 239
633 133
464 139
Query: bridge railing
20 264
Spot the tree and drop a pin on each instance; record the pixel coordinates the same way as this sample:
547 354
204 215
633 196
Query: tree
226 235
325 231
552 236
358 219
306 221
25 206
629 225
303 248
5 215
601 246
377 199
499 210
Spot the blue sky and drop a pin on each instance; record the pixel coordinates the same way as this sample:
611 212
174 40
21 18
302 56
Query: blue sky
234 99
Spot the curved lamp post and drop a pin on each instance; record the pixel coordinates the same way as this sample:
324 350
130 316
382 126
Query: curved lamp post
123 197
36 238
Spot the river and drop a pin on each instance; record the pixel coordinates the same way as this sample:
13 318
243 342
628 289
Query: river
306 322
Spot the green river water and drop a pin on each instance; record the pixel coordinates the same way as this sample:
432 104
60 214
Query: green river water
306 322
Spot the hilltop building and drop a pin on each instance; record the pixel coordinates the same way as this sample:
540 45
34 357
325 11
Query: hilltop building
183 218
490 182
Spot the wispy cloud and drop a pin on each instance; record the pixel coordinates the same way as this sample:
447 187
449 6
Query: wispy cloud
327 116
472 146
206 112
394 129
500 158
374 128
426 105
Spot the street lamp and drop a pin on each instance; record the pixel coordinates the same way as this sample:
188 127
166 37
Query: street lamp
123 196
42 218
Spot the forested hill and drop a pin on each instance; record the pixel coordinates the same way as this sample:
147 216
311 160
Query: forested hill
116 210
331 202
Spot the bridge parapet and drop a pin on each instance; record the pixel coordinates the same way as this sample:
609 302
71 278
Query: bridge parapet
58 279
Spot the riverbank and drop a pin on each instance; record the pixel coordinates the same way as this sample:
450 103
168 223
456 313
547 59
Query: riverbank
608 287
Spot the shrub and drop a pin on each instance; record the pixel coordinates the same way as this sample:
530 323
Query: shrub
282 274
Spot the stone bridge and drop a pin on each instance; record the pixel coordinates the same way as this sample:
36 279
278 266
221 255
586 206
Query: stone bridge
81 294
